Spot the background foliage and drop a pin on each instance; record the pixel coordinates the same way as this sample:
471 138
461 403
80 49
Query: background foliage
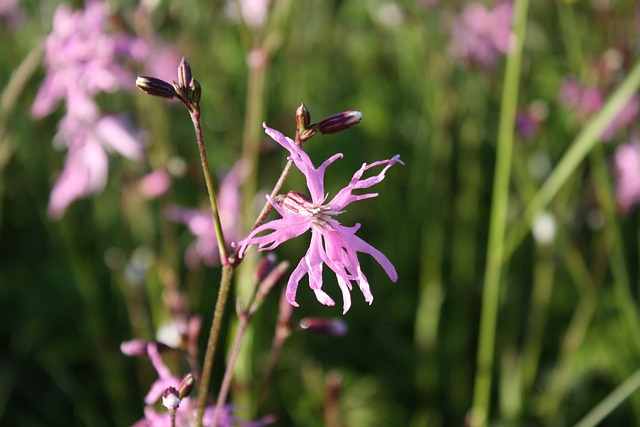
567 332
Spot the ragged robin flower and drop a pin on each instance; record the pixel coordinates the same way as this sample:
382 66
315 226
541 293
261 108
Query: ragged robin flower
332 243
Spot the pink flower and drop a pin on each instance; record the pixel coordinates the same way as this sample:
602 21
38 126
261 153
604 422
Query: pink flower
10 12
86 167
331 243
254 12
155 184
586 101
83 60
481 36
187 408
199 221
627 165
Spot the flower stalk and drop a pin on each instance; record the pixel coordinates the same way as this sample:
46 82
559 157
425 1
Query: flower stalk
479 414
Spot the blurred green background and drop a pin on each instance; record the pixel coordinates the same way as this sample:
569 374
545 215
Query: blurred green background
567 331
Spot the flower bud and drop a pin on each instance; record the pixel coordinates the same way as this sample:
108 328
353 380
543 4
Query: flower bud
340 121
186 385
170 399
156 87
335 327
303 118
184 74
195 91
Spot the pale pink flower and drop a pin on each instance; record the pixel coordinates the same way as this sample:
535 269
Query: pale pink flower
481 36
331 243
254 12
627 166
200 222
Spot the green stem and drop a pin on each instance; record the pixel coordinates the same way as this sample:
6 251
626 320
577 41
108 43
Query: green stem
495 251
195 118
604 408
227 272
233 357
576 153
214 333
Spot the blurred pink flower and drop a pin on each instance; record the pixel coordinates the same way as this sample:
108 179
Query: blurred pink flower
627 166
254 12
481 36
86 167
331 243
81 61
585 101
626 116
155 184
10 12
187 408
199 221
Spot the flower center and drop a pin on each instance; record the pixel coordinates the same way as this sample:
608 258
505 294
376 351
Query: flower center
299 204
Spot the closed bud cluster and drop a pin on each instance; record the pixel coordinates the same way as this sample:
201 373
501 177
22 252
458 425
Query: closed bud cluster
187 89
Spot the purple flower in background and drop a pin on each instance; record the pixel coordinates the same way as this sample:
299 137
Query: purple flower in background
81 61
585 101
481 36
331 243
86 166
627 166
187 408
155 184
10 12
624 118
199 221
